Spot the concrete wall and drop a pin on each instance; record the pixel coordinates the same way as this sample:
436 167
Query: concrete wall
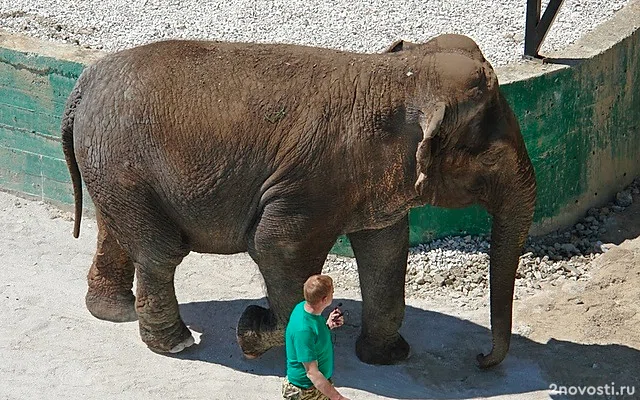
35 80
581 124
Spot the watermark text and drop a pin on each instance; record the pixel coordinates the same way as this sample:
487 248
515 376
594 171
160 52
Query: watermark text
601 390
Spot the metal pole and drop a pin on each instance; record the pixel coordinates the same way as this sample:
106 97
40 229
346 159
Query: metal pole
530 38
536 28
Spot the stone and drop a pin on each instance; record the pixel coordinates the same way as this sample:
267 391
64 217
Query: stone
571 268
439 280
570 248
624 199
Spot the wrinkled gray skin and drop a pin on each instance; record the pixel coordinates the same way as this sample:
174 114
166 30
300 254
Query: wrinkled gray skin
277 150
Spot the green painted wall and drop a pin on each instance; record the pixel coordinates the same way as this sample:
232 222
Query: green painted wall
581 126
33 91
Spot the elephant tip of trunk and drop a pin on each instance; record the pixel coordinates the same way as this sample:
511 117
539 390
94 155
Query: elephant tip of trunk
488 361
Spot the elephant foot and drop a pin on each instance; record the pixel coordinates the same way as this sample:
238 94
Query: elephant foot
257 331
169 340
118 308
382 352
188 342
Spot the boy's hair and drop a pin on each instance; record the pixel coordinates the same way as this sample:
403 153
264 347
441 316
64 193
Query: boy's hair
317 287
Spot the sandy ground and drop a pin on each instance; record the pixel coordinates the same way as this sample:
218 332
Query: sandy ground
579 335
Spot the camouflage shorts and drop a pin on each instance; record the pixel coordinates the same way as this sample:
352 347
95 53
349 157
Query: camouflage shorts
292 392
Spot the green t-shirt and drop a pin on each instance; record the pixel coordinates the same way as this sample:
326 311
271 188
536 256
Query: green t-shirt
307 338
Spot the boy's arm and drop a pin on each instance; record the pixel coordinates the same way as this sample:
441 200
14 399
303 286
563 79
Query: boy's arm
320 382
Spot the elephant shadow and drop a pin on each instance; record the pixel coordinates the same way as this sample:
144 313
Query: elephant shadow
442 361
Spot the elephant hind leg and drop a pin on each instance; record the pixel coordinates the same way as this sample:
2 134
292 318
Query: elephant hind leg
157 247
110 280
154 246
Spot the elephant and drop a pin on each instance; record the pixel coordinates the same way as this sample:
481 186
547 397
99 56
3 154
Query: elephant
277 150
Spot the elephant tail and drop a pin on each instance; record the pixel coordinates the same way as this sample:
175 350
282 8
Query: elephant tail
70 156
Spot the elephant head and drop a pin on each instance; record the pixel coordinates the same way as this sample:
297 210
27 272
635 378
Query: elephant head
472 152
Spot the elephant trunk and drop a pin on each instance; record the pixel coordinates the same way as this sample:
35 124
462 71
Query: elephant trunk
512 217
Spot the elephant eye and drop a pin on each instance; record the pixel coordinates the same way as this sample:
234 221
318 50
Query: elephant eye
477 187
491 156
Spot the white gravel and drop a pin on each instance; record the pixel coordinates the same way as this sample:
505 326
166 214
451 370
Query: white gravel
356 25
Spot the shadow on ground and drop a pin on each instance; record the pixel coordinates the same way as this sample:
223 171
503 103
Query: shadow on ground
442 363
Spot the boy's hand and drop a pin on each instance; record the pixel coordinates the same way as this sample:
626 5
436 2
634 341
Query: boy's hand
336 319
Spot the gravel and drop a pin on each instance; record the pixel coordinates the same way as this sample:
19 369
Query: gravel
361 26
458 267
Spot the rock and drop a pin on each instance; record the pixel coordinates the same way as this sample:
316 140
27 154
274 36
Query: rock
624 199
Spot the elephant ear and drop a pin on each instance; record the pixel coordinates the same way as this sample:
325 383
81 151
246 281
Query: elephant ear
400 45
430 123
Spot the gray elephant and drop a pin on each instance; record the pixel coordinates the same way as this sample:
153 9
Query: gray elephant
277 150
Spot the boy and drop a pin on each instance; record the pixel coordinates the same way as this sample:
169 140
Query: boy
308 344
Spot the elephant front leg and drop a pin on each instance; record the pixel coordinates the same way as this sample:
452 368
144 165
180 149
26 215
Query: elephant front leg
260 329
288 248
110 280
382 261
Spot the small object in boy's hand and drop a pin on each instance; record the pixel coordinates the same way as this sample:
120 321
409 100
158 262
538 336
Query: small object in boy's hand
337 316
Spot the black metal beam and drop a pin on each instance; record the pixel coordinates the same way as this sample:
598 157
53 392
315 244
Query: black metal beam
536 28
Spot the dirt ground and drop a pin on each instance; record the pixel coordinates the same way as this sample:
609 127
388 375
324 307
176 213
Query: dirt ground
579 336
